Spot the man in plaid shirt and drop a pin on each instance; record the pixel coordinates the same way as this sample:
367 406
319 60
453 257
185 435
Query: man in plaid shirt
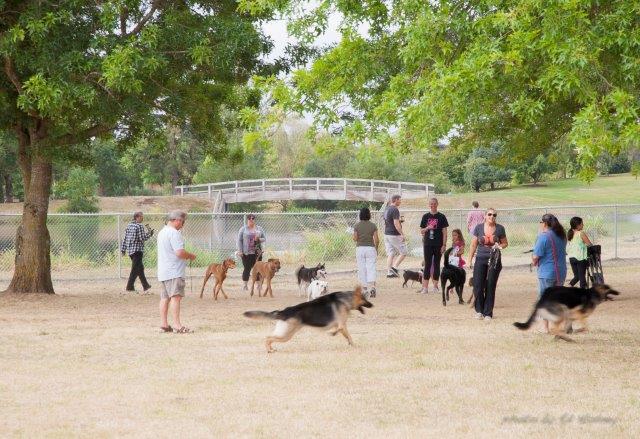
133 244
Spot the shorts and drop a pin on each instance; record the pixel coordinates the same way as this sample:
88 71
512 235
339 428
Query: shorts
394 245
172 287
543 284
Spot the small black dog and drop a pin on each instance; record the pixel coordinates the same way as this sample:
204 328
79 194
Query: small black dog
455 276
408 275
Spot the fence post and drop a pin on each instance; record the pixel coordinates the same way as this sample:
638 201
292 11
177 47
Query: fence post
118 247
615 231
211 233
209 190
345 188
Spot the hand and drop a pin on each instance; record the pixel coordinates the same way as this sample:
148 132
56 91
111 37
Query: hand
423 231
443 249
496 246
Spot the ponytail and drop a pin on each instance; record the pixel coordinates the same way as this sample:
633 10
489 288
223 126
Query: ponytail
573 223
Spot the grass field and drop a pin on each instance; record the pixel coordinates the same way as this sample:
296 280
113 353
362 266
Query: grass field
89 362
615 189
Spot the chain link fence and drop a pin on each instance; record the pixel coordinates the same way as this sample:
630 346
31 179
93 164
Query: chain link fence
86 246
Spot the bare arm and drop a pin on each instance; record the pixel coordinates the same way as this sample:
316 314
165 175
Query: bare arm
183 254
586 239
355 236
444 237
504 243
474 246
398 224
376 239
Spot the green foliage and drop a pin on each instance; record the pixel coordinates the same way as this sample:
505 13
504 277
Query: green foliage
533 170
481 168
528 74
80 191
328 244
635 169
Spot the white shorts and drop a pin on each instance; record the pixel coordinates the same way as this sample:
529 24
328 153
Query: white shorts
394 245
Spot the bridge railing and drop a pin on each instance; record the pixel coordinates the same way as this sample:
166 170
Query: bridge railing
305 184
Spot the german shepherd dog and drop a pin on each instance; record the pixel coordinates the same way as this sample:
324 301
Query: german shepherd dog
409 275
307 275
455 276
330 312
262 271
219 273
563 305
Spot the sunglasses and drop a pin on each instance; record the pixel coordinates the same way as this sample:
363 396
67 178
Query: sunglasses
492 214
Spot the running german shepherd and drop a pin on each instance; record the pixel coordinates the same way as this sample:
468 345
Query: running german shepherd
330 312
562 305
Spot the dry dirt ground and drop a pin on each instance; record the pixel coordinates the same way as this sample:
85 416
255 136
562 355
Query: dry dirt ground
90 362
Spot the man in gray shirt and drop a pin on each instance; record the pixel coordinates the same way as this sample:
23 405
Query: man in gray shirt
394 239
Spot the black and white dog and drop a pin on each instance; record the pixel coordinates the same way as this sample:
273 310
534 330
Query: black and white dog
455 276
304 276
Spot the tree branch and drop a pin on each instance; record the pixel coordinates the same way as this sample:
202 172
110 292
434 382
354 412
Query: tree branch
145 19
10 70
70 139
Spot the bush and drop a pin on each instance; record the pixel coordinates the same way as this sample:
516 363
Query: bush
79 189
327 245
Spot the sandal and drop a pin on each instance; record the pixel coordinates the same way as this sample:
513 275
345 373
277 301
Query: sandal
166 329
183 330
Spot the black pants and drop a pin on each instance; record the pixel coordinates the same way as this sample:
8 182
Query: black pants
137 270
248 261
484 285
432 254
579 269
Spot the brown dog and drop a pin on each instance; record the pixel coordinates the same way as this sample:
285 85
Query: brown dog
264 271
219 272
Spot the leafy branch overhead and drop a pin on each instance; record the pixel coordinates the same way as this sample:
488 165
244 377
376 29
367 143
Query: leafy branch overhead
526 73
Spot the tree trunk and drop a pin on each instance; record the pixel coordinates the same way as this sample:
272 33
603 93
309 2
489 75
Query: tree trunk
8 188
2 197
33 261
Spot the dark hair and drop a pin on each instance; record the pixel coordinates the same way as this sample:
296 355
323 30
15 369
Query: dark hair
475 204
574 223
365 214
459 232
552 222
395 198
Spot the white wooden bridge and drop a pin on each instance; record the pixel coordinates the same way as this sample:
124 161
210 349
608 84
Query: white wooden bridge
278 189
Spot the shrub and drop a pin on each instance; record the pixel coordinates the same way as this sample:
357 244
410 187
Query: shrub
79 189
330 244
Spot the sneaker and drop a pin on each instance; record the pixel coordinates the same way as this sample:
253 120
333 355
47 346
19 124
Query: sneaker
424 290
391 273
479 316
395 270
146 290
487 318
436 290
372 292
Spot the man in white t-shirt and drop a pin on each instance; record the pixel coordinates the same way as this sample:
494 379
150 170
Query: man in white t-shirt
172 259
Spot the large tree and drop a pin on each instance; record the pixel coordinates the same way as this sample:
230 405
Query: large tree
74 70
528 73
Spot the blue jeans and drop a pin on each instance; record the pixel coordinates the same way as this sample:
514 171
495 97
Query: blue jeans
543 284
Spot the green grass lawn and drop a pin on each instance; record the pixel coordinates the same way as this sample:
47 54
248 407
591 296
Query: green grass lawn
617 189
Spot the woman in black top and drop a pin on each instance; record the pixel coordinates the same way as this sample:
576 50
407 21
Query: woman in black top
486 235
433 228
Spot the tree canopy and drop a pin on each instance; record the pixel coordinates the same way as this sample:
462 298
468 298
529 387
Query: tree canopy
528 73
74 70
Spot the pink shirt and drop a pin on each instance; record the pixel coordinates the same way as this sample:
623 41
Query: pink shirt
475 217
